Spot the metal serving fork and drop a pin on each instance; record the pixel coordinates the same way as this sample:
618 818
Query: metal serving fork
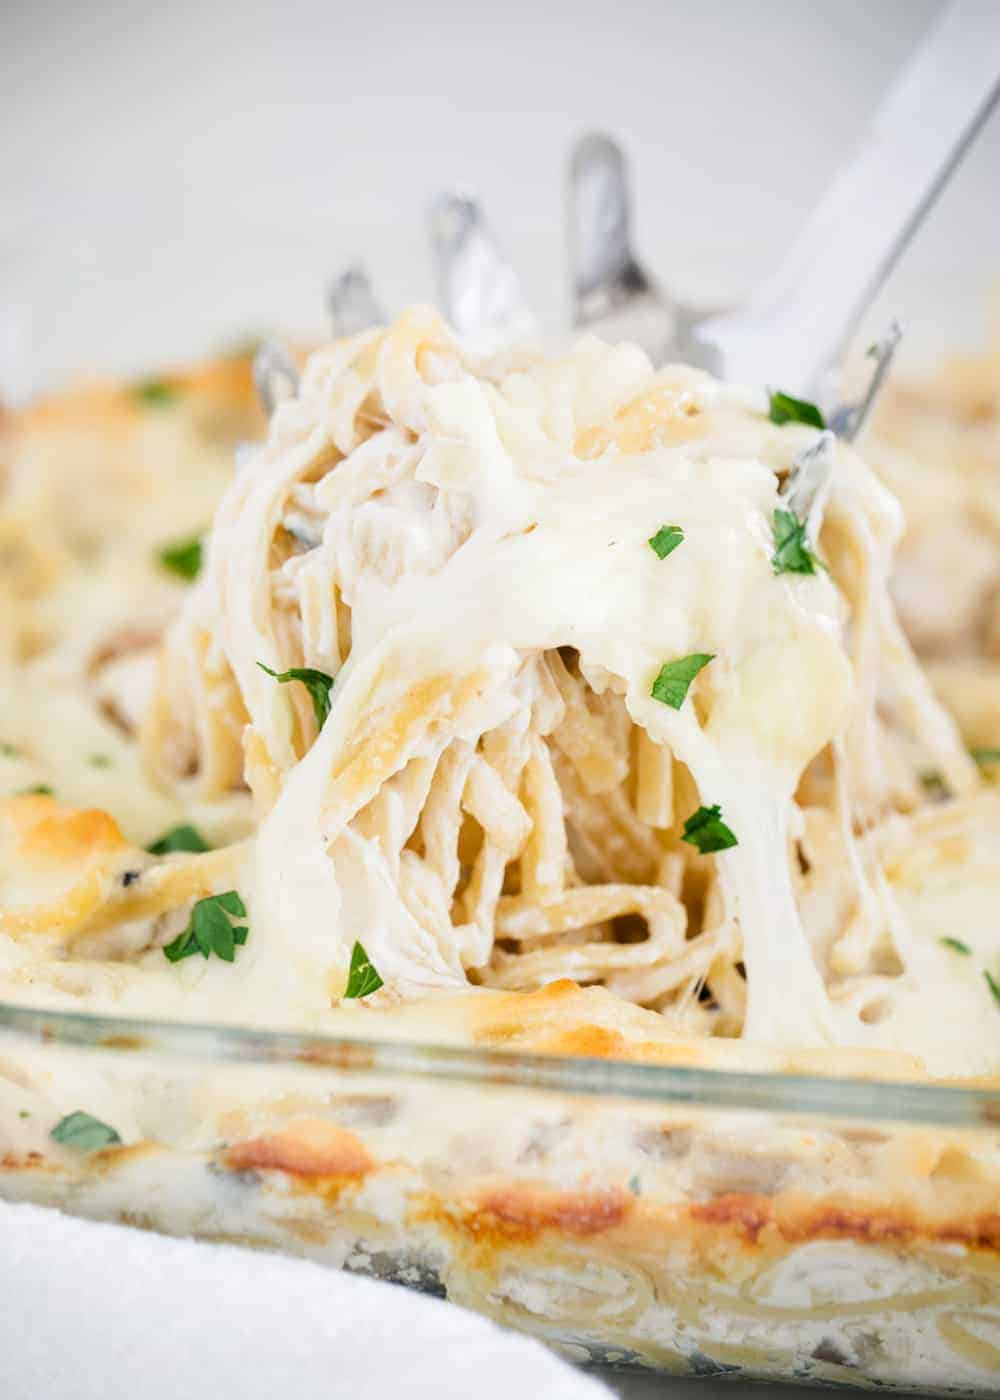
793 331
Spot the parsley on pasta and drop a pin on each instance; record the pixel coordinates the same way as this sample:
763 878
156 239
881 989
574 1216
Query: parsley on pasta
179 838
318 684
154 393
792 554
783 408
674 679
210 929
183 558
363 978
83 1132
708 832
666 540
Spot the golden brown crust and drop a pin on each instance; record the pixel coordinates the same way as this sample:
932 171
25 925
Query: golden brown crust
563 1018
69 871
305 1147
499 1214
109 403
523 1210
796 1220
57 860
529 1213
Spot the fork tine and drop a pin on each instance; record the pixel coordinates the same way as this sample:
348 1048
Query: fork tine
478 289
848 419
352 303
809 478
274 375
612 292
605 270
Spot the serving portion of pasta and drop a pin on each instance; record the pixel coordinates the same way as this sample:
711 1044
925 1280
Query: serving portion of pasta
504 671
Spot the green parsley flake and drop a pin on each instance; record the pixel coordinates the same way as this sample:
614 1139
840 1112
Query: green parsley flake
635 1186
707 831
792 554
179 838
36 790
100 760
9 751
210 931
154 393
986 758
784 409
933 784
675 677
318 684
362 979
993 985
183 558
666 540
957 946
83 1133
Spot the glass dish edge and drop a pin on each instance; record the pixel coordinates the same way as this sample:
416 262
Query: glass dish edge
903 1101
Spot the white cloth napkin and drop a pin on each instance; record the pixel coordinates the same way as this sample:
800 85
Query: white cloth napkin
98 1312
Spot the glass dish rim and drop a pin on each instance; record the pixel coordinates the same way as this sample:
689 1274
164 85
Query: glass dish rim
903 1102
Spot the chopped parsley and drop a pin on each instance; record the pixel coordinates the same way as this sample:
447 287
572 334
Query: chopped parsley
37 790
100 760
179 838
957 946
675 677
993 985
707 831
8 751
666 540
83 1132
933 784
154 393
318 684
183 558
210 930
792 554
362 979
785 409
986 758
635 1186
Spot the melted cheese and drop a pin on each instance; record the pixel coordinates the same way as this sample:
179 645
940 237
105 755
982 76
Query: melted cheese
434 531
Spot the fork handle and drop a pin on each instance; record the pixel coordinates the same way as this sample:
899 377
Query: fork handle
793 330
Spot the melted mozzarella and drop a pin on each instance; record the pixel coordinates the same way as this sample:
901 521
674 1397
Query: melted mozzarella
557 555
472 521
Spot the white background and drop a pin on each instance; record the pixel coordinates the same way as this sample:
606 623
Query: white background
177 174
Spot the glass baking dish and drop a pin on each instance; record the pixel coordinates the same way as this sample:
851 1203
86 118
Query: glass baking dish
668 1219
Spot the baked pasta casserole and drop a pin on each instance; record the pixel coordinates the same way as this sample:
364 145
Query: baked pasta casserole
547 705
